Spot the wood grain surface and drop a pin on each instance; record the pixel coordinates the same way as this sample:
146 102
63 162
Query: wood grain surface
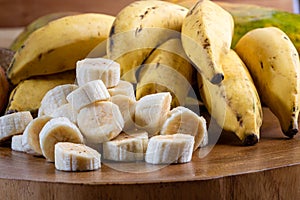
268 170
20 13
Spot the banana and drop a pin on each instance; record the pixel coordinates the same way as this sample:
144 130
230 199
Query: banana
57 46
88 93
167 60
273 62
76 157
55 98
58 130
123 88
127 109
67 111
28 94
138 29
207 32
90 69
167 149
184 121
151 111
16 143
126 147
31 138
14 124
100 121
234 103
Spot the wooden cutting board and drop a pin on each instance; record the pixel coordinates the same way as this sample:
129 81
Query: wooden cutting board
268 170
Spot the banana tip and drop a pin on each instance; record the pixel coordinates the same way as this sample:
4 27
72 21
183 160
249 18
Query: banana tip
291 132
250 140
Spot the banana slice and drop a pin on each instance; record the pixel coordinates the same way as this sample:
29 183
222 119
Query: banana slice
127 109
184 121
100 122
88 93
151 112
123 88
58 130
67 111
126 147
103 69
14 124
167 149
76 157
31 138
16 143
55 98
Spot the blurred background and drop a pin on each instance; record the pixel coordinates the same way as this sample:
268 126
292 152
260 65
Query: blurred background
21 12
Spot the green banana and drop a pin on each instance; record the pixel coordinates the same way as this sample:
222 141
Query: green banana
234 103
138 29
273 62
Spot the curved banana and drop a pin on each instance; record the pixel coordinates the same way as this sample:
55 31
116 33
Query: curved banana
57 46
168 60
206 36
234 103
273 62
138 29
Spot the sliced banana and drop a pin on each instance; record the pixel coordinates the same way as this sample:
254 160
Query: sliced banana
126 147
16 143
100 122
55 98
127 109
167 149
151 112
76 157
14 124
90 69
123 88
56 130
31 138
67 111
184 121
88 93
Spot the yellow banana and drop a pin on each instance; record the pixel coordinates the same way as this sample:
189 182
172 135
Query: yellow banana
273 62
167 69
57 46
234 103
138 29
206 36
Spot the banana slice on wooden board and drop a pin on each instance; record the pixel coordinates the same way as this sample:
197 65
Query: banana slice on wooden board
14 124
67 111
56 130
126 147
167 149
16 143
123 88
91 69
76 157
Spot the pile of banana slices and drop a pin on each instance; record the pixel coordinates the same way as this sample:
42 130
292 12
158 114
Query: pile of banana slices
99 115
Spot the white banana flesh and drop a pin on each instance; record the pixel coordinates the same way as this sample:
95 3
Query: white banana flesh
167 149
31 138
273 62
100 122
184 121
16 143
151 111
90 69
58 130
127 109
123 88
67 111
76 157
207 32
14 124
88 93
126 147
55 98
